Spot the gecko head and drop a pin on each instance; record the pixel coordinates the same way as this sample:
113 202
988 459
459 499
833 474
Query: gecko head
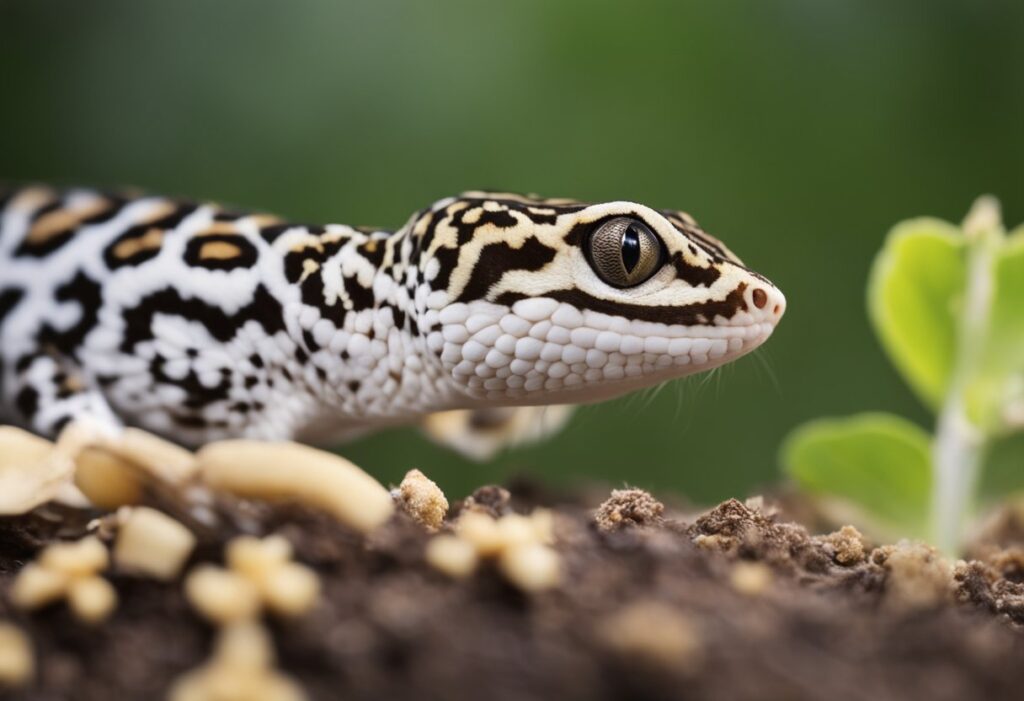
533 301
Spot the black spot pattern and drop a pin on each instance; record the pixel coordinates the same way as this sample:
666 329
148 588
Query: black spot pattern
264 309
695 275
496 259
136 233
31 249
698 314
88 295
246 257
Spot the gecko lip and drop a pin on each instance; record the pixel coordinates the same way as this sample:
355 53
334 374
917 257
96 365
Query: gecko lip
540 353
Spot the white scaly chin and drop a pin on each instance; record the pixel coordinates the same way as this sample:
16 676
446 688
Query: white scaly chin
540 351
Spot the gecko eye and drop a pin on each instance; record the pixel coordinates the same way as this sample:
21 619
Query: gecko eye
624 252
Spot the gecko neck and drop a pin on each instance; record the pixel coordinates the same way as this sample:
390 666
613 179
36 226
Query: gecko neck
355 322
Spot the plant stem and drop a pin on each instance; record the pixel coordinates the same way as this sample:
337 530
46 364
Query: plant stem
957 455
959 447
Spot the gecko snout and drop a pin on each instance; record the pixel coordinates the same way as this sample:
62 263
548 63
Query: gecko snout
768 300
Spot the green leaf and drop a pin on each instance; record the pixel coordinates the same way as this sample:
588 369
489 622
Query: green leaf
914 294
1003 473
879 462
995 393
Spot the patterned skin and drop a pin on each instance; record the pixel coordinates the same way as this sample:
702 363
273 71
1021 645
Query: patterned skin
200 324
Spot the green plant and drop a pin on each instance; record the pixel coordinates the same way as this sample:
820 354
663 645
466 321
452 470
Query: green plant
947 304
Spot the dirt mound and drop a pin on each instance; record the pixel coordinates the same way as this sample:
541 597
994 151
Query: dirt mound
735 603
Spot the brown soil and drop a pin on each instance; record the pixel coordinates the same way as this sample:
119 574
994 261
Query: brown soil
734 604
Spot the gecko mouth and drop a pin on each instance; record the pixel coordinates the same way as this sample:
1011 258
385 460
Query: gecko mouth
587 355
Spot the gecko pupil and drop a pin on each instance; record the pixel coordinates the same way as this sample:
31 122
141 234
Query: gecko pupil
630 248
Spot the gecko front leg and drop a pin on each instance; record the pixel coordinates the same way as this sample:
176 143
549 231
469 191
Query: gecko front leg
51 399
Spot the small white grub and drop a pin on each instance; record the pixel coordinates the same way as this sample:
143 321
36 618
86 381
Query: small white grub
481 531
157 457
153 544
222 596
423 499
451 555
515 530
490 535
105 480
241 669
750 578
244 645
92 599
290 590
79 558
36 586
257 557
653 632
111 470
543 522
519 543
71 571
287 588
260 574
32 471
285 470
160 458
531 566
17 661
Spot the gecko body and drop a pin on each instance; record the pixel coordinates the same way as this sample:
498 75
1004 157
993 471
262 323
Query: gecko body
200 323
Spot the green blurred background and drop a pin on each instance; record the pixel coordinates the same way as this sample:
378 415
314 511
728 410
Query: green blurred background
798 131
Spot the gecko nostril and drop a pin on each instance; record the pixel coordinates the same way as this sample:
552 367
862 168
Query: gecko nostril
760 298
778 309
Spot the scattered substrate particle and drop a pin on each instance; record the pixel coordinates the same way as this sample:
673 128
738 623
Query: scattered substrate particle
241 669
981 585
848 545
491 500
92 599
652 632
17 660
452 555
422 499
153 544
918 576
733 527
222 596
629 507
531 567
750 578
